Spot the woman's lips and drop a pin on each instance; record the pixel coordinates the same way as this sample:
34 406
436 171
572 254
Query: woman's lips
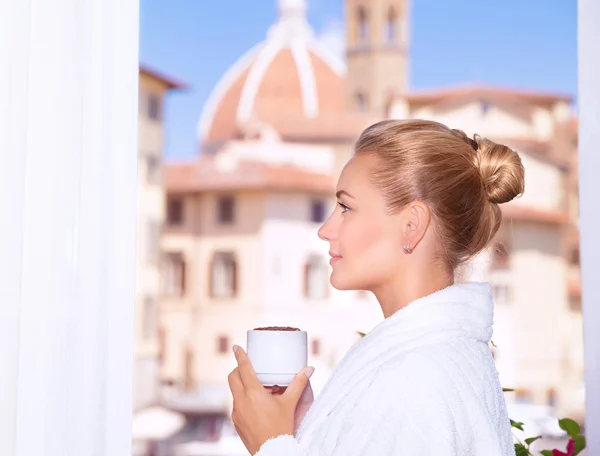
334 258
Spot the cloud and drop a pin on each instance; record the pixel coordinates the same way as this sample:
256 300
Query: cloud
333 36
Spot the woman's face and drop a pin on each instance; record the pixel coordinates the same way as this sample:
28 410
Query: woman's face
364 240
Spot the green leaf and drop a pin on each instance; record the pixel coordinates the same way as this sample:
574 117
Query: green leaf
361 334
516 424
570 426
547 453
579 444
520 450
507 390
530 440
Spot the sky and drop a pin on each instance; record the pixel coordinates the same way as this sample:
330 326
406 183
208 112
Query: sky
529 44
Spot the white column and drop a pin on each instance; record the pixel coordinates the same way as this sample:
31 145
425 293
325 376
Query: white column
589 203
68 157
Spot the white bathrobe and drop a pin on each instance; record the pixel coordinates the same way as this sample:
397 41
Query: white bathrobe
421 383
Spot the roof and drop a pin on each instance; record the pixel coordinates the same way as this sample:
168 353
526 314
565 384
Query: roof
290 81
530 214
205 175
432 96
539 149
166 80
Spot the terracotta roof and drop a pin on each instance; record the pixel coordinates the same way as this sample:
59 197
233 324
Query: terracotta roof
531 214
299 90
167 80
536 148
204 175
471 91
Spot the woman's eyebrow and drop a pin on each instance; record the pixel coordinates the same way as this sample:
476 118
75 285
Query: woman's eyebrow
343 192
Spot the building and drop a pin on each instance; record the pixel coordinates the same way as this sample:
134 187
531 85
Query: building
153 87
240 249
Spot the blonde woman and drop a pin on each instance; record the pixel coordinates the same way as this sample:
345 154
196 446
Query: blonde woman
416 200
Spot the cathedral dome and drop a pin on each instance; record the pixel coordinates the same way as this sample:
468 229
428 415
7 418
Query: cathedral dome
290 81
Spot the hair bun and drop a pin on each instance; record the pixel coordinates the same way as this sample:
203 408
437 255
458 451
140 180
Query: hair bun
501 170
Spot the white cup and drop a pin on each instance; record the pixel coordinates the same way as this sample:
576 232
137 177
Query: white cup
277 356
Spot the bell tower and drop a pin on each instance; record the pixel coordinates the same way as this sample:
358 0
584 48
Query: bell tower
377 45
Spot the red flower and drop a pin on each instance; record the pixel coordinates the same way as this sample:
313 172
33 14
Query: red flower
570 450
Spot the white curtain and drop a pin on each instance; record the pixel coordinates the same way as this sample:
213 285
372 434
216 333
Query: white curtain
589 205
68 151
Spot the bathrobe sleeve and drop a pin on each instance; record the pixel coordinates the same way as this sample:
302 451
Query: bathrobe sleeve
403 412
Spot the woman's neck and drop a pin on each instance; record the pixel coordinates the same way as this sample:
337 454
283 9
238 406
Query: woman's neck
407 287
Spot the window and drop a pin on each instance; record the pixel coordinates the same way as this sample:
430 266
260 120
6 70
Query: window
149 319
153 240
502 294
317 211
316 278
361 102
391 27
162 345
575 304
223 275
316 347
175 209
522 396
225 210
188 366
363 26
153 169
223 346
575 254
141 105
551 397
500 256
154 106
174 274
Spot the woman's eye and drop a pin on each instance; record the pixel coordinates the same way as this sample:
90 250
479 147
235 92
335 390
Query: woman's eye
344 207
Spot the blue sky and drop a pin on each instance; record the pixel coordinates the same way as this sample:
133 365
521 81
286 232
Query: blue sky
517 43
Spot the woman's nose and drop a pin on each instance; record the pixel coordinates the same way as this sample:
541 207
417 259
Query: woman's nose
325 232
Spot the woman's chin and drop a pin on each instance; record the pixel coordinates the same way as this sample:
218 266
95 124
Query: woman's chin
339 283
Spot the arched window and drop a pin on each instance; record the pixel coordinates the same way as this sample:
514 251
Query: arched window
174 274
223 275
391 27
363 26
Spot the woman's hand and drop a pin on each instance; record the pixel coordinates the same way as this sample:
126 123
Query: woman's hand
306 400
257 414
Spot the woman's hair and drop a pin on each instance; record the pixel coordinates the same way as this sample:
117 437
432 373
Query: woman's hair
462 180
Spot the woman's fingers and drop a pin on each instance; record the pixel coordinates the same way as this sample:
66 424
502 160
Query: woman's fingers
247 374
235 382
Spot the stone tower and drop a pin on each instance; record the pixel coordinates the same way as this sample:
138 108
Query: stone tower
377 43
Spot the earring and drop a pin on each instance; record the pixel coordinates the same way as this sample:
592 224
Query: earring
407 249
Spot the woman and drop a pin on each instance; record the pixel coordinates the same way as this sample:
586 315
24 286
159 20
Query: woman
416 200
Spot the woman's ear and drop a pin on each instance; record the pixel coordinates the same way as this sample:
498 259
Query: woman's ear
415 221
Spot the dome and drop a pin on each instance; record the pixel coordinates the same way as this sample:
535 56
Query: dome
290 81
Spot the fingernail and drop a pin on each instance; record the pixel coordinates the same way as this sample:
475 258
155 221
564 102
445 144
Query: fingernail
235 348
308 371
